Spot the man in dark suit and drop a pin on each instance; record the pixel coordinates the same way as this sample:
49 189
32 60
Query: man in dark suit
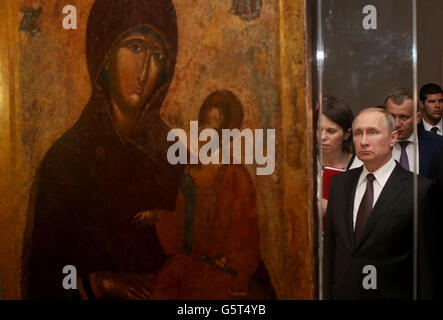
431 105
369 221
400 104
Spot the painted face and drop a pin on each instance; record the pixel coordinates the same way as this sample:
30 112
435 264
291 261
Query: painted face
332 135
213 119
433 108
134 68
372 140
404 117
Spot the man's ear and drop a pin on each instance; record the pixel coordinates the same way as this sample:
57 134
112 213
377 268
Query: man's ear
394 137
418 116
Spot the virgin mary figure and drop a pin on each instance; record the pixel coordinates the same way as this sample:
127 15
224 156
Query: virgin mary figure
110 166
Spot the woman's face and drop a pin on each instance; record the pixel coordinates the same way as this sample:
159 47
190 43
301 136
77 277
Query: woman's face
134 68
332 135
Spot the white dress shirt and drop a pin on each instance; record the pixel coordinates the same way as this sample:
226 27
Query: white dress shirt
439 126
356 163
396 153
381 176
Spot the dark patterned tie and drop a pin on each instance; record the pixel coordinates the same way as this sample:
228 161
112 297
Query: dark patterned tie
365 207
404 161
434 129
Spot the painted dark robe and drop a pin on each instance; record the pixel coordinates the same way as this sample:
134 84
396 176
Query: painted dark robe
94 179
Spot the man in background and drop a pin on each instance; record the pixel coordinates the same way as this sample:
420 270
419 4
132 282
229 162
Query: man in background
431 104
400 104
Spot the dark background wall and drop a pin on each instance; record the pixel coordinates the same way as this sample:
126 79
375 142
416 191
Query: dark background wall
362 66
430 40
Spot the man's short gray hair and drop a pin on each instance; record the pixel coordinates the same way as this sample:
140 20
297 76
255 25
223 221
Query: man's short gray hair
390 121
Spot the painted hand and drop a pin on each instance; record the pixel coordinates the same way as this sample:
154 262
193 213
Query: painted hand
148 217
124 286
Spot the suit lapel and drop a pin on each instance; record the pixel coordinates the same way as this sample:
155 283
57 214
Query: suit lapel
422 150
395 185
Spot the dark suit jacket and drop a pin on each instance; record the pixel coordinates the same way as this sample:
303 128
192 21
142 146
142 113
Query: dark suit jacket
436 174
386 242
428 144
436 170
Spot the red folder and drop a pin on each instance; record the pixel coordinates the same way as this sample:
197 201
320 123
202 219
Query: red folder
328 173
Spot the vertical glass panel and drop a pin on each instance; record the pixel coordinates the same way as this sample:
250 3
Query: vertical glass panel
366 52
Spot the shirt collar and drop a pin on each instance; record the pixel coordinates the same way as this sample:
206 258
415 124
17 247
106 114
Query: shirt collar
410 139
381 175
429 126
